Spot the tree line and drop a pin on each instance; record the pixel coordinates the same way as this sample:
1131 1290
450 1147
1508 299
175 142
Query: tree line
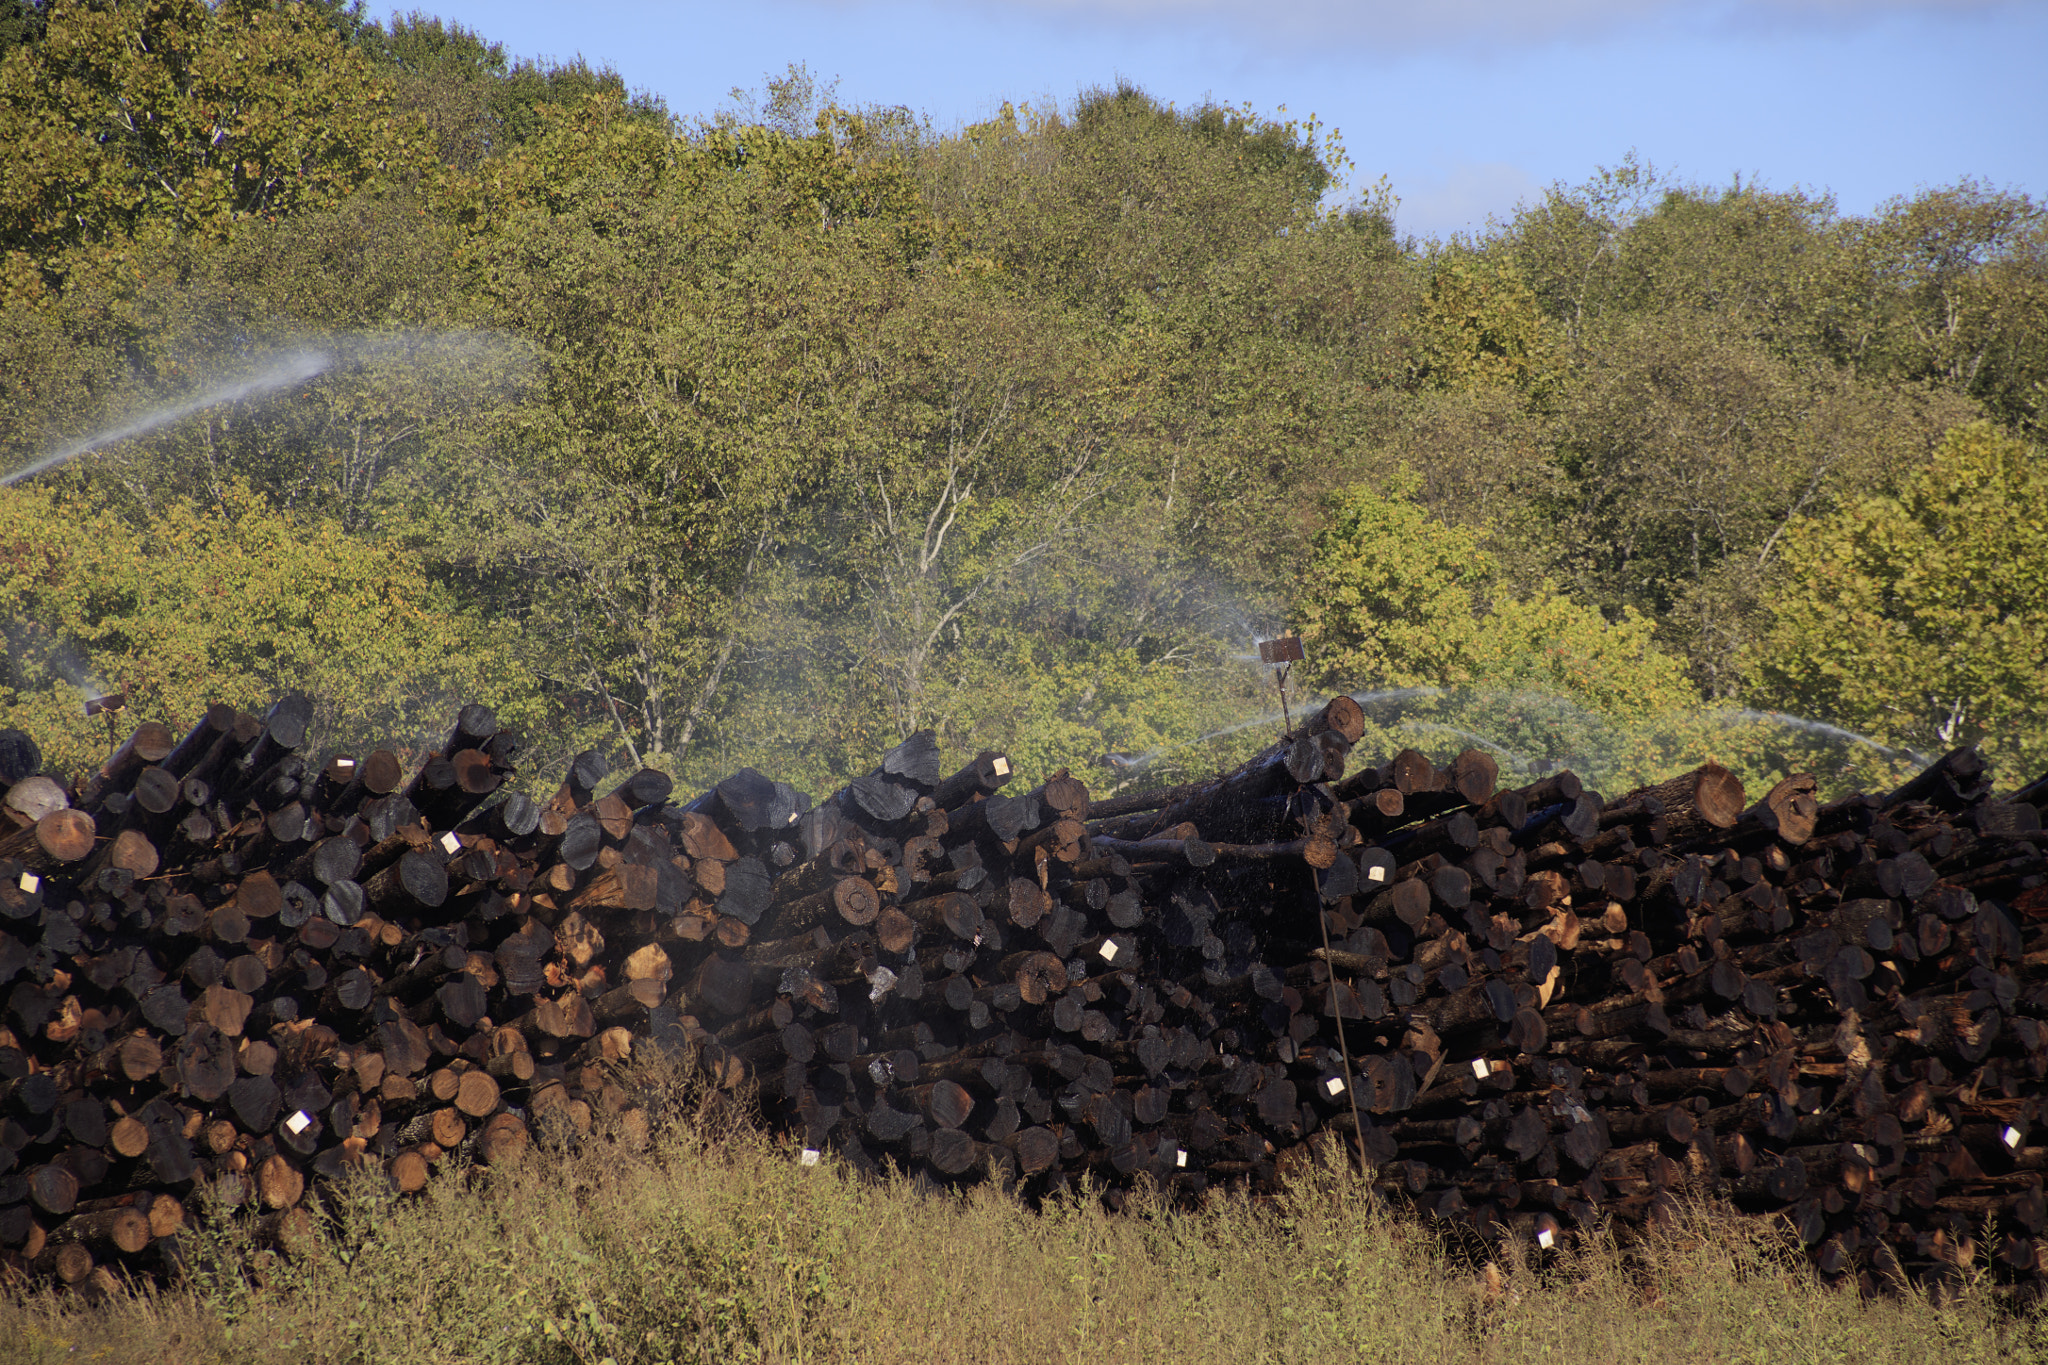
769 434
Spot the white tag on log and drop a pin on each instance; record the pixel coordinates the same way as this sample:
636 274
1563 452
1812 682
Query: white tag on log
450 845
1180 1158
1544 1238
1001 766
344 763
808 1157
1580 1115
2011 1136
1479 1068
29 882
1335 1085
880 982
1375 874
299 1122
1108 950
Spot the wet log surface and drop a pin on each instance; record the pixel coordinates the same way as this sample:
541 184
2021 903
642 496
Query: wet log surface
1521 1008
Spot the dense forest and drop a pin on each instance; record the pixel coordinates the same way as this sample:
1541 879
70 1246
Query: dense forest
769 434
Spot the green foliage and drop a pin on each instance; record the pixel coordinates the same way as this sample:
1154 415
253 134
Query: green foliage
1124 204
1388 599
1957 289
769 435
1412 616
1922 616
22 22
1550 644
236 606
172 116
476 101
1481 327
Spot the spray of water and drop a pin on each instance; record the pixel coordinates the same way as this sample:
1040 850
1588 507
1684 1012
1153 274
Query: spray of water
293 369
1394 694
1825 731
1430 727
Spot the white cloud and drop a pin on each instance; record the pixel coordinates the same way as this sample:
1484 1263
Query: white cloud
1459 199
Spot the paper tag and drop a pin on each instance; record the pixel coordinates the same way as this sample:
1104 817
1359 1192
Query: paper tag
1001 766
29 882
450 845
1108 950
1580 1115
344 763
1375 874
299 1122
1335 1085
2012 1136
1180 1158
794 816
880 982
1544 1238
808 1157
1479 1068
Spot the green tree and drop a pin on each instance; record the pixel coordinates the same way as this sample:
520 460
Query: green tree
173 116
1922 616
1684 447
1389 597
236 606
477 101
1394 598
1481 327
704 307
1954 291
1121 204
22 22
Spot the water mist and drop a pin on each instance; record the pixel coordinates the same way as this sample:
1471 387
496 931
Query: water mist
292 369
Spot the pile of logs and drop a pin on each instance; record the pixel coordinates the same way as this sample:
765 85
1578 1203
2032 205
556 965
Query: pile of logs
233 967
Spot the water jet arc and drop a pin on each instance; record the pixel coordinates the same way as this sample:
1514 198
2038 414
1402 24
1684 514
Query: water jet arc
293 369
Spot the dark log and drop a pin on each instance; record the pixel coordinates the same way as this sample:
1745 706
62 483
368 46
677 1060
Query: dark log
984 776
1954 782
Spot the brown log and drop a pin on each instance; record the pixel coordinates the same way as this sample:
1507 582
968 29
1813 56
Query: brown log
851 901
954 913
106 1232
408 1171
60 837
1789 811
476 1094
501 1138
279 1184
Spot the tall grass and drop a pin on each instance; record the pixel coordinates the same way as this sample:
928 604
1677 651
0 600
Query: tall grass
713 1243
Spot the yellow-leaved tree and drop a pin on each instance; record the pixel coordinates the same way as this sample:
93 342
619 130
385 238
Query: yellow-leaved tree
1921 616
236 606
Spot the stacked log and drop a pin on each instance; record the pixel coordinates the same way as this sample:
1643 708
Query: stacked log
235 969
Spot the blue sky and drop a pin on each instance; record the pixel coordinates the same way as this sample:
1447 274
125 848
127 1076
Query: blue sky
1467 106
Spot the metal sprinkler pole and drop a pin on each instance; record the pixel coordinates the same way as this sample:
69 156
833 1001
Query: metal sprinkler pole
1282 654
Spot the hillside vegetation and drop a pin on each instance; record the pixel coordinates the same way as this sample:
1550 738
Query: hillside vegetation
771 433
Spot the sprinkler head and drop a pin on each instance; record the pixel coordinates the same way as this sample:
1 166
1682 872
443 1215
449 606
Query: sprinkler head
112 701
1285 650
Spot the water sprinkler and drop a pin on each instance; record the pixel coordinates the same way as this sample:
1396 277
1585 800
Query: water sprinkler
107 704
1282 654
